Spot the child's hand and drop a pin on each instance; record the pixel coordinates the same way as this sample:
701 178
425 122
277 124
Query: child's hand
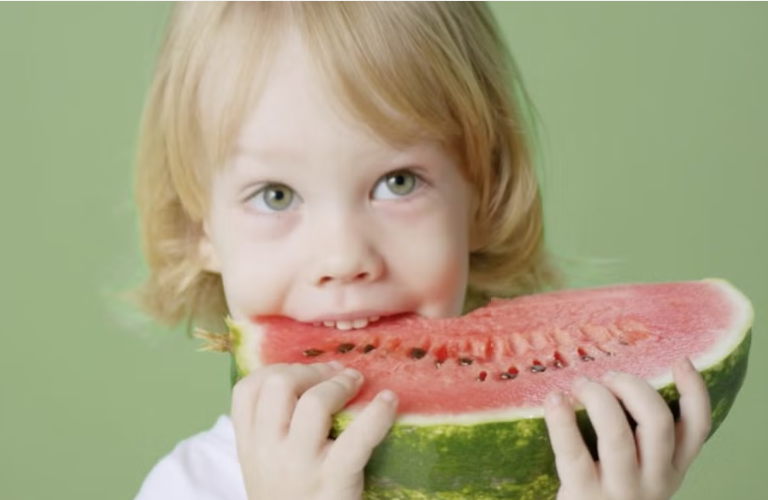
647 466
282 416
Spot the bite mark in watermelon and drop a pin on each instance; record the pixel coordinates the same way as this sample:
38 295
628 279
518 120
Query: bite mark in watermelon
471 389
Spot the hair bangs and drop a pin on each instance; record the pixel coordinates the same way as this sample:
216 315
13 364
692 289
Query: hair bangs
404 88
213 79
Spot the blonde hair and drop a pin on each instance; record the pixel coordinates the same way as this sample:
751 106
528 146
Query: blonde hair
436 69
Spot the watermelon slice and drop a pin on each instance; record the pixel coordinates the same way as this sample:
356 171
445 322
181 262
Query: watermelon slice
471 388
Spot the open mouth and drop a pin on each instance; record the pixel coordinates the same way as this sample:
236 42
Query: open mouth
348 324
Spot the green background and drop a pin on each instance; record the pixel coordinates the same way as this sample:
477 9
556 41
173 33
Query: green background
655 157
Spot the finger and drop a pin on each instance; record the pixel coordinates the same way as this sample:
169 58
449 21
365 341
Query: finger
695 418
655 431
353 448
314 412
574 462
279 393
615 441
245 394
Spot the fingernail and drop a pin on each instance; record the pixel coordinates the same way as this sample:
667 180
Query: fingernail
335 365
609 375
555 399
687 364
387 396
353 374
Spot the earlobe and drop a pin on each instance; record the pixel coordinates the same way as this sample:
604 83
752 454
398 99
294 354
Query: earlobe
206 252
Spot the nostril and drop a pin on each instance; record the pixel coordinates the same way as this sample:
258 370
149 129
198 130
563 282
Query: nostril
363 276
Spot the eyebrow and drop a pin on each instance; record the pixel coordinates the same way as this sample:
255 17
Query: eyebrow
268 154
280 155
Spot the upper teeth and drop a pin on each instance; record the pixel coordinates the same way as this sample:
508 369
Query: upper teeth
348 325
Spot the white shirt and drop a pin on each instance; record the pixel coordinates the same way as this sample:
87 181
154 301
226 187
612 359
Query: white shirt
202 467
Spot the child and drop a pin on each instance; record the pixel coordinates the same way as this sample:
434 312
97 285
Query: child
339 162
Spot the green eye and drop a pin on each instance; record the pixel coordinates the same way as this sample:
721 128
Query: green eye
274 198
396 184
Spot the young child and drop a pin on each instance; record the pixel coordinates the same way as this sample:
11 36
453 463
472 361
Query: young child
340 162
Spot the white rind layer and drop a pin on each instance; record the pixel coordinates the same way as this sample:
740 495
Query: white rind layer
743 318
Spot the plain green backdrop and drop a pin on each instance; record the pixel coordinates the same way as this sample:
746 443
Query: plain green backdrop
655 161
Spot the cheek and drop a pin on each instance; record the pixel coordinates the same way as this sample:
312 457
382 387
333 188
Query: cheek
442 267
432 256
255 275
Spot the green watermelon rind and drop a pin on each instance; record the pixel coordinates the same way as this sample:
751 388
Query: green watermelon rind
417 462
239 359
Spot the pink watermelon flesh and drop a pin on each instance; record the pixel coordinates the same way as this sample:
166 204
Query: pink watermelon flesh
513 352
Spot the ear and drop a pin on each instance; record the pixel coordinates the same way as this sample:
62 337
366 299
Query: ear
207 253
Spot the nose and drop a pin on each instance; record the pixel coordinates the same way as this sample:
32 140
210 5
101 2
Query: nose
345 254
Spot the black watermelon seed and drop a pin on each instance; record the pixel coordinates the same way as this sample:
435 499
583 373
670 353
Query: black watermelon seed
312 352
465 361
508 376
587 357
558 364
418 353
538 368
345 348
368 348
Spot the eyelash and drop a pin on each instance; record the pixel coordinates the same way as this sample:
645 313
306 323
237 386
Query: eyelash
417 179
262 190
263 187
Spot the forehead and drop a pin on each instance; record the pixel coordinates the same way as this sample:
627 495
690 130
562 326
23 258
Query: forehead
295 87
296 112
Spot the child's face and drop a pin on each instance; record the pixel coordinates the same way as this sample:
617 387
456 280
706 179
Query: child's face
318 220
